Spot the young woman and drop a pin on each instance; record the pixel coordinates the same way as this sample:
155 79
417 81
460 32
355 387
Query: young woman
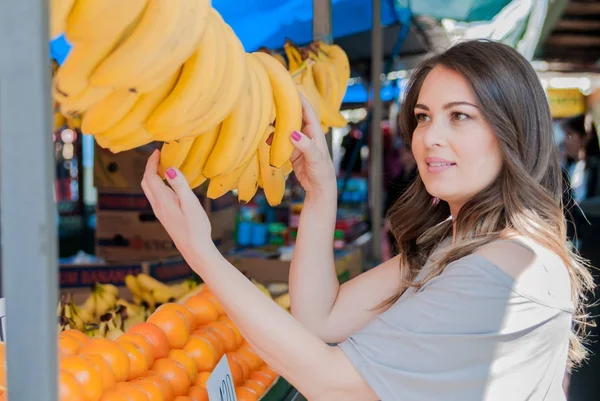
481 301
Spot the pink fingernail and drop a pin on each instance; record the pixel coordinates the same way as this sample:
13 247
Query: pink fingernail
296 136
171 173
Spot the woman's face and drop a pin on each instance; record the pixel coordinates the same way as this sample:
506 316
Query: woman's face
456 151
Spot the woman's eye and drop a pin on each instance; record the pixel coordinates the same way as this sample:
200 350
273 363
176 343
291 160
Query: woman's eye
422 117
456 116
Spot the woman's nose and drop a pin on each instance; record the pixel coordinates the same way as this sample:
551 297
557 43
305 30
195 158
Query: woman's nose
435 135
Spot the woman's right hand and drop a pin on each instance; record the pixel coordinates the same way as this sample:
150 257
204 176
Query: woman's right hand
311 160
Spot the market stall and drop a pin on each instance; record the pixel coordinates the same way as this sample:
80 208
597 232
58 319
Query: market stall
27 199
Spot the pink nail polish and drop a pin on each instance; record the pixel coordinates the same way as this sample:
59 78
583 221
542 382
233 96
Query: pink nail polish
296 136
171 173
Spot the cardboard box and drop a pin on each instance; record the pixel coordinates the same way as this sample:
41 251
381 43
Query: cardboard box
348 264
77 278
128 231
122 170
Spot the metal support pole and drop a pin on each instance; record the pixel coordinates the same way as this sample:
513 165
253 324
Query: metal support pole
322 31
28 227
376 149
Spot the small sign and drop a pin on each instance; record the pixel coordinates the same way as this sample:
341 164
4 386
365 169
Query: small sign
3 319
220 384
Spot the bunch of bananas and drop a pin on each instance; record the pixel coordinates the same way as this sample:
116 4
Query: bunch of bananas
103 298
174 71
151 293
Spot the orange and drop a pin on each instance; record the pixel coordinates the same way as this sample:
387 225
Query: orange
67 345
173 324
69 388
258 387
155 336
174 373
86 374
186 361
243 360
108 377
82 337
163 385
238 335
237 372
183 398
233 357
150 388
189 315
253 359
202 308
211 297
202 378
268 371
198 393
132 391
141 342
245 394
203 353
113 395
261 377
137 359
213 339
226 334
113 354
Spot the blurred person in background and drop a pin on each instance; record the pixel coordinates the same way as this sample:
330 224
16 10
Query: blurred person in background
582 157
399 171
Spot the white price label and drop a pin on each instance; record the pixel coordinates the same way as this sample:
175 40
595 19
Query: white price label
3 319
220 384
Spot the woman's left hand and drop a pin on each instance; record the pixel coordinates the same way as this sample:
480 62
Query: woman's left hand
178 209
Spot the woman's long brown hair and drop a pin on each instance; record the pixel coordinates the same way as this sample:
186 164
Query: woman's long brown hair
526 196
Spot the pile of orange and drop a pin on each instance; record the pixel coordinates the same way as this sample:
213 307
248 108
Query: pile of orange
169 357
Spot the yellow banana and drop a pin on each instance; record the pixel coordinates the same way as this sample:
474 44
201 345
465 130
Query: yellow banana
230 140
222 184
193 166
133 140
234 84
257 112
76 105
108 111
293 55
288 109
339 58
132 124
330 116
59 12
167 34
104 32
273 178
326 79
109 288
91 20
173 154
248 183
195 87
138 291
149 283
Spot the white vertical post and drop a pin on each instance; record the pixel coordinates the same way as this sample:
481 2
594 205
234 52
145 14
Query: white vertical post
27 215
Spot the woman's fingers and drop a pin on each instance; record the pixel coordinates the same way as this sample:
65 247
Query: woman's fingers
306 146
187 200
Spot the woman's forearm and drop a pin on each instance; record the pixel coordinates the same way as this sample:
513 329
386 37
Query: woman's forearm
313 281
279 339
